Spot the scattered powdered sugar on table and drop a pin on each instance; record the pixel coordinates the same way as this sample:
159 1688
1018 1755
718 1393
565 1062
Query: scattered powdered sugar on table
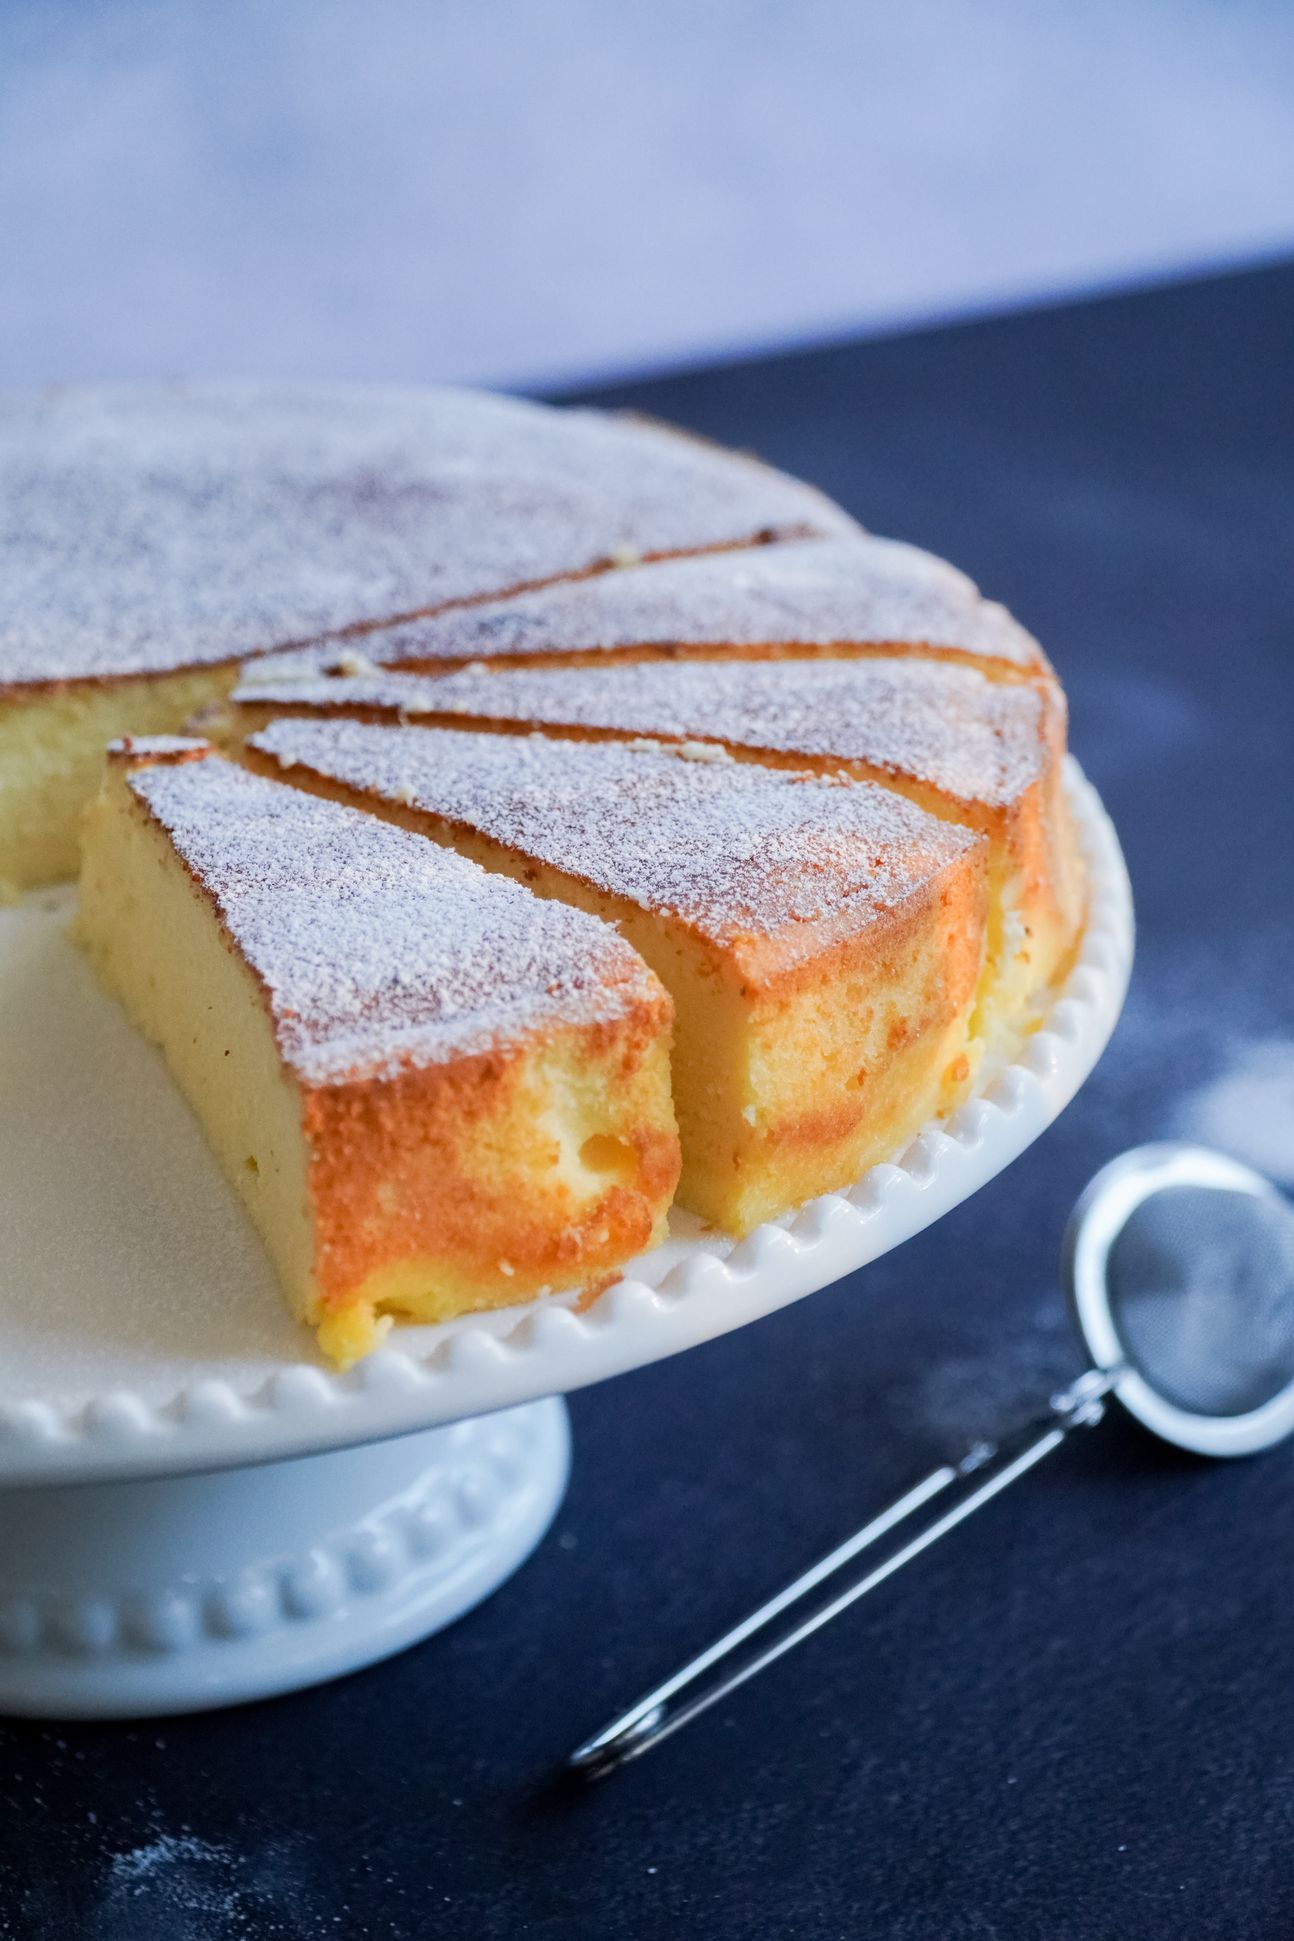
847 590
733 849
377 948
157 527
144 1863
938 722
1248 1108
175 1885
178 1887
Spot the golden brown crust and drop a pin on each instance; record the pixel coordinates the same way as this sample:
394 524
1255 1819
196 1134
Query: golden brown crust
388 1181
453 1181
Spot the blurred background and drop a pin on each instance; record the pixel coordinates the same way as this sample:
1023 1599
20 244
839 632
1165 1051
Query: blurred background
564 191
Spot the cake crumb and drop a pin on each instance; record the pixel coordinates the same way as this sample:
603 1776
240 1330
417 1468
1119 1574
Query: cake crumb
210 715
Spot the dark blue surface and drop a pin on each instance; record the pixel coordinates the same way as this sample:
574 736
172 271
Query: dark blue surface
1076 1722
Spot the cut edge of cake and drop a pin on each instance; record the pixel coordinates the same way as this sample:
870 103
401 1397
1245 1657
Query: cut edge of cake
159 535
981 754
814 1035
407 1142
812 595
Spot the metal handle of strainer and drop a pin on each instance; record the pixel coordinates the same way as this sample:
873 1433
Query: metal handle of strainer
954 1491
1179 1265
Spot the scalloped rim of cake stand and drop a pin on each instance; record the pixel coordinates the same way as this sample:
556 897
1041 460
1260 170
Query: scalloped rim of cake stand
687 1292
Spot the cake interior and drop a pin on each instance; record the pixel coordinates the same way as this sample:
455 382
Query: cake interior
155 942
790 1083
478 1183
51 757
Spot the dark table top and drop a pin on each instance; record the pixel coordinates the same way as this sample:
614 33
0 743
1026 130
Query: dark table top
1076 1721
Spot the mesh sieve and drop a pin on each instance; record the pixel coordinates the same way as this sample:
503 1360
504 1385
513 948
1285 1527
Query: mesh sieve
1200 1284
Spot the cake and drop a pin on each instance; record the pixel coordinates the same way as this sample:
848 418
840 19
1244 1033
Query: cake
152 538
433 1090
823 940
539 729
987 754
845 595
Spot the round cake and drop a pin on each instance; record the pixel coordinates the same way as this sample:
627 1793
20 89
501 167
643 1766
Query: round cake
517 820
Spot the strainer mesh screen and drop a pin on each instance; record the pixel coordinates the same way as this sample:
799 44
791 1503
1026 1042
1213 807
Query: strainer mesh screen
1201 1290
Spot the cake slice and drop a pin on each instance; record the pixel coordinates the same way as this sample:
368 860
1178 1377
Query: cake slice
847 594
151 537
433 1091
982 753
822 940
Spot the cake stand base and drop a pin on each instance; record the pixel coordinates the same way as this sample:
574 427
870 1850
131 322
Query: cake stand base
133 1599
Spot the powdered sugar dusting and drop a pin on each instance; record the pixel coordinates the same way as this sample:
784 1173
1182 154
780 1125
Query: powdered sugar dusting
151 528
377 948
845 591
735 850
158 747
934 721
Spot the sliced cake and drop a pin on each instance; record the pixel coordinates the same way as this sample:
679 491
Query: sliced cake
434 1091
979 752
849 595
823 940
152 537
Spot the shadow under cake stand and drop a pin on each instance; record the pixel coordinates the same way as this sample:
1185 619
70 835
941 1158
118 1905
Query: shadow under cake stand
191 1514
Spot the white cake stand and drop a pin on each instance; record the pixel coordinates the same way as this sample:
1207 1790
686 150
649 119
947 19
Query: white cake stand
193 1509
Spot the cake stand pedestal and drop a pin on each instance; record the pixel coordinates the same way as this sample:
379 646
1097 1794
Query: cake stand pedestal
191 1512
177 1593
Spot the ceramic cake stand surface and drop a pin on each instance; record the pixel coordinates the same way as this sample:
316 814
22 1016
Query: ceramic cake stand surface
192 1511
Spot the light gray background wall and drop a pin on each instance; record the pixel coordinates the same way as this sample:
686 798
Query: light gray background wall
534 192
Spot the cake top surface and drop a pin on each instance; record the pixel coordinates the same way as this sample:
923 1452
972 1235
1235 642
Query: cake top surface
853 589
148 528
377 949
938 722
157 747
737 852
